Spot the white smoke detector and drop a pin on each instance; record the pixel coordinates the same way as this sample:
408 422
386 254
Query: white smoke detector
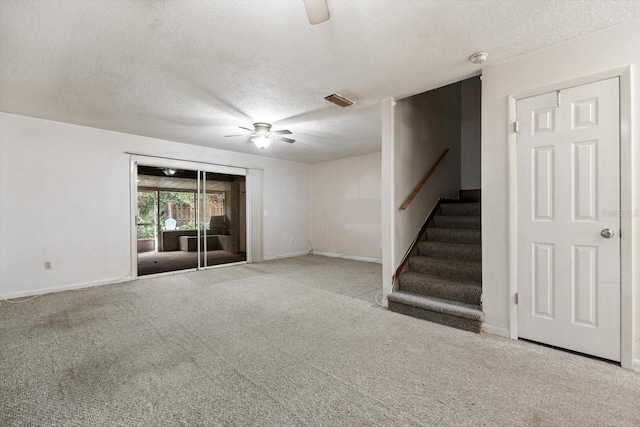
478 57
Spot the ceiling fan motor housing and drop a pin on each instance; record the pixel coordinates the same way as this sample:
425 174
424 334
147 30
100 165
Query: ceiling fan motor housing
261 127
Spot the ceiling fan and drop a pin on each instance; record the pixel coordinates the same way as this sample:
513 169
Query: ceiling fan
263 136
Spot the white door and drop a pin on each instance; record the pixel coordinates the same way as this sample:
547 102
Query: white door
568 219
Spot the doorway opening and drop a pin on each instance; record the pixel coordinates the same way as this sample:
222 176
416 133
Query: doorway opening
188 219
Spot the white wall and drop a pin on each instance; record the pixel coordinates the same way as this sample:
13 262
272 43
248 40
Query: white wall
345 207
416 131
470 134
387 196
64 197
585 58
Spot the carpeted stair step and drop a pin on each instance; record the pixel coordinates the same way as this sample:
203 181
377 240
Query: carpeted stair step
443 282
441 287
454 235
460 209
452 221
463 270
454 251
459 315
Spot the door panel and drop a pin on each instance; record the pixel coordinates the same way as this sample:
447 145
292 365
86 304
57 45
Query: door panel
543 184
568 176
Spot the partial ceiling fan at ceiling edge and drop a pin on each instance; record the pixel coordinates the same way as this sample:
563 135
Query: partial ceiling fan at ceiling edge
317 11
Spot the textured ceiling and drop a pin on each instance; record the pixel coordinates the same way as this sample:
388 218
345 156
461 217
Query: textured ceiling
192 71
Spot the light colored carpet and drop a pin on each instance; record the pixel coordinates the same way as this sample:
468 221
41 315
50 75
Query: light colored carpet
288 342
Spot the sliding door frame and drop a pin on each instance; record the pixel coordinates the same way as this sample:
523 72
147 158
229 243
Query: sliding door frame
254 232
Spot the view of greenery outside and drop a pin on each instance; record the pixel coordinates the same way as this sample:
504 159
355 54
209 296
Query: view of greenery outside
146 214
184 202
179 205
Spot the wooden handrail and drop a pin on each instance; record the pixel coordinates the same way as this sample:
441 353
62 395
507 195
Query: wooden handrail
416 190
414 244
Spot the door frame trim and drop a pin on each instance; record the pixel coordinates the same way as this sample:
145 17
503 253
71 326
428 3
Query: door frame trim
626 199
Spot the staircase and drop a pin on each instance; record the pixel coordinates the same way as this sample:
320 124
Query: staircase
442 282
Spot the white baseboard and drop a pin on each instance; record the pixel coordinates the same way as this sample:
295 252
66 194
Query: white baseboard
42 291
635 365
346 256
495 330
291 255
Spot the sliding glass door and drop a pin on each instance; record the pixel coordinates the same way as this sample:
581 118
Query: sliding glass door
187 219
220 222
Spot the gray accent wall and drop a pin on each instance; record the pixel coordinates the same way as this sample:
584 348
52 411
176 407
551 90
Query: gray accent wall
471 100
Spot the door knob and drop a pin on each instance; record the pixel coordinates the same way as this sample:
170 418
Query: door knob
607 233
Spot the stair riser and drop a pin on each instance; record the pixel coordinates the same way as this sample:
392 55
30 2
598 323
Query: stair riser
444 269
432 249
472 237
441 318
470 196
462 293
463 222
460 209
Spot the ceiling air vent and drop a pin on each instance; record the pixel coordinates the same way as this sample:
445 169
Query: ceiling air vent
338 100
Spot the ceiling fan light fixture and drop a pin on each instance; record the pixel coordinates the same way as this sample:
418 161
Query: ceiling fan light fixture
317 11
169 171
263 141
262 135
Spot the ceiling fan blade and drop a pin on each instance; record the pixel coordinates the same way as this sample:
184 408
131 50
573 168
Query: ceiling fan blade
228 136
317 11
282 138
242 127
281 132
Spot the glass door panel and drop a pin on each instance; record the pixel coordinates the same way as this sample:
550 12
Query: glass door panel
219 205
167 215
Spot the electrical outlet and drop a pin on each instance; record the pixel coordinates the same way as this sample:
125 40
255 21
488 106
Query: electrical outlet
47 265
